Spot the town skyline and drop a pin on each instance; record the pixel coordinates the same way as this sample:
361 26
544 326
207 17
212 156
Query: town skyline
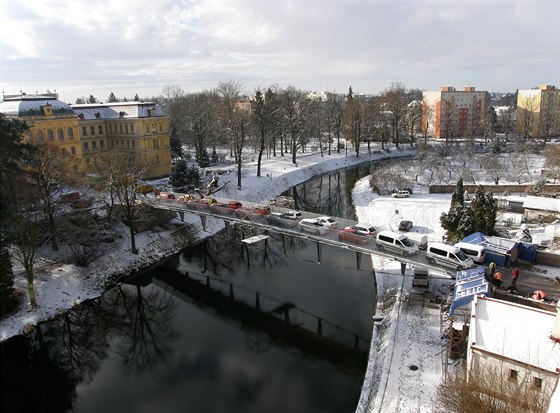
138 47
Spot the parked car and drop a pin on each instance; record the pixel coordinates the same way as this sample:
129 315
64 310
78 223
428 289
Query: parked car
329 222
401 194
395 242
362 229
287 215
166 195
448 256
405 225
312 226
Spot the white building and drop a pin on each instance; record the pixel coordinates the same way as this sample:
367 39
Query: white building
520 345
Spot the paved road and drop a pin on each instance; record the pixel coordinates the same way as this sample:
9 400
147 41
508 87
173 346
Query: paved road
531 279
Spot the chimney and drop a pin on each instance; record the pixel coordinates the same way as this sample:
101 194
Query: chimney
556 330
469 88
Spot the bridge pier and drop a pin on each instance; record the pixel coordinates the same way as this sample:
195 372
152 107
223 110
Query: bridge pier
358 260
319 252
181 216
203 221
403 268
284 246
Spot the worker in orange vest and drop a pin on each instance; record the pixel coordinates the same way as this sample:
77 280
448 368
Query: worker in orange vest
497 279
539 295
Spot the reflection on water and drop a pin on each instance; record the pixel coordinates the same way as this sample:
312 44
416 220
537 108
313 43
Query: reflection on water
216 329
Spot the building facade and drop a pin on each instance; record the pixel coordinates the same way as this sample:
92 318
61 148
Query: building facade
451 113
538 112
85 131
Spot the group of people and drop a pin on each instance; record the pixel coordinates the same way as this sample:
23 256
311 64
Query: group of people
496 278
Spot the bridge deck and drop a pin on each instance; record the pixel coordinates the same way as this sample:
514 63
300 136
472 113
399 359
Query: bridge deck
268 222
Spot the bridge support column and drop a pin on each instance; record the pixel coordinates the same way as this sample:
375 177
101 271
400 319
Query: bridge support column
358 260
403 268
284 246
227 226
203 222
181 216
258 302
319 252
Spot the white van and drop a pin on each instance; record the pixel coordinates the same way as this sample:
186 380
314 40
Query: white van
474 251
448 256
419 239
395 242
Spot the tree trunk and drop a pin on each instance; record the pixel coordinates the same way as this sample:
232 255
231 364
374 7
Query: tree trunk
30 287
133 248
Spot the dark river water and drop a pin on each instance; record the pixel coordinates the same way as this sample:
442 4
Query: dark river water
217 328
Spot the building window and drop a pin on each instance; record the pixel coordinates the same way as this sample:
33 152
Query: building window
133 144
131 128
160 127
513 374
121 128
157 159
100 129
127 144
537 382
60 134
94 145
86 146
84 131
147 128
73 150
70 133
154 127
50 135
101 144
125 128
40 135
63 150
92 129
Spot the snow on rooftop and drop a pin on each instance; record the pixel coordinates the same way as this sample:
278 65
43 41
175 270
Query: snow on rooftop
542 203
515 331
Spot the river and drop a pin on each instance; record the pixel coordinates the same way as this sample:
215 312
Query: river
216 328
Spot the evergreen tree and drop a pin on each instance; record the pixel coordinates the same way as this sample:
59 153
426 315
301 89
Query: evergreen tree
202 158
466 224
91 99
112 98
8 300
215 158
451 221
485 211
136 98
185 176
175 143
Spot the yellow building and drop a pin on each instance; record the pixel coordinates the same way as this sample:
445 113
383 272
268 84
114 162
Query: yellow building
538 112
84 131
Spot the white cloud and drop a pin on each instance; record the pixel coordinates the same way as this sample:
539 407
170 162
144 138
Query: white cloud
313 45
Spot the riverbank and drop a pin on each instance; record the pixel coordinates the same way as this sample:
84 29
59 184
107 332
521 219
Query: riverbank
60 285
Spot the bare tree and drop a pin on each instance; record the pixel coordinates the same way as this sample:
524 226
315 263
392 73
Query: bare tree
295 111
492 165
51 171
264 111
28 236
334 115
121 175
527 117
396 101
552 161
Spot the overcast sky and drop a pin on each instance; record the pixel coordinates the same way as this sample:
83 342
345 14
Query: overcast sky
80 48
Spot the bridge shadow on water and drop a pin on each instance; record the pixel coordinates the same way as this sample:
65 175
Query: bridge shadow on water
275 323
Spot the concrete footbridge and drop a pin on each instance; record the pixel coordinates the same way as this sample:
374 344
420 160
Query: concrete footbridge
272 218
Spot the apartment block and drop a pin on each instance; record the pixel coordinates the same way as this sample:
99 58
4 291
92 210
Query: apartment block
538 112
451 113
